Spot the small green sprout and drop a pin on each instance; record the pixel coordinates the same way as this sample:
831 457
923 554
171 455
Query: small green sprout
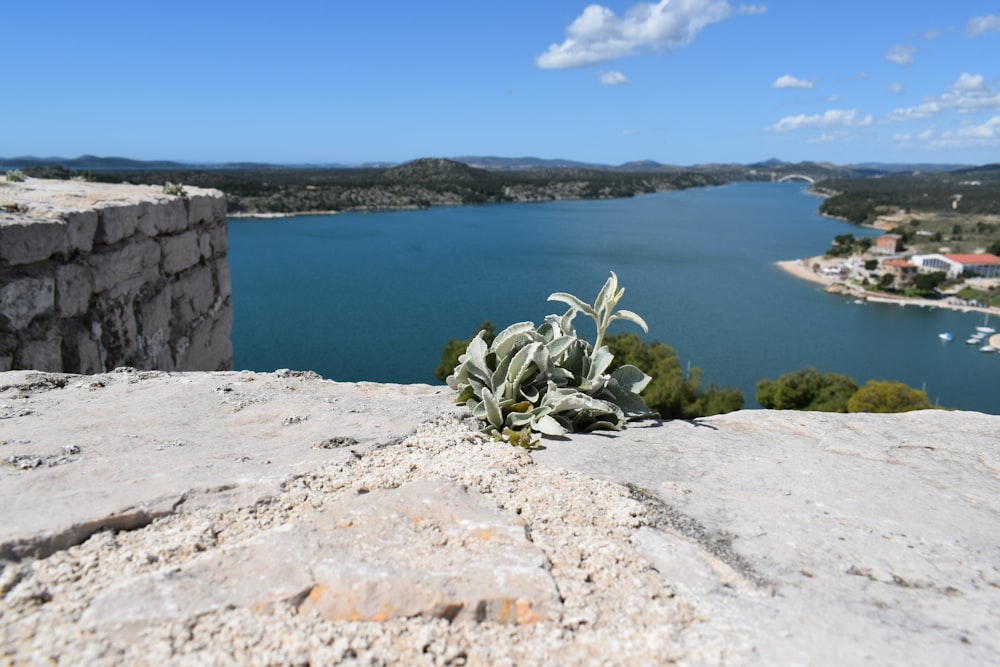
15 176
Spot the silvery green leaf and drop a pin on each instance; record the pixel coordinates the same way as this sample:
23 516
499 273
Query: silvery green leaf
519 419
476 351
573 302
631 378
632 405
558 346
530 393
493 414
548 426
606 297
566 322
508 338
629 316
600 362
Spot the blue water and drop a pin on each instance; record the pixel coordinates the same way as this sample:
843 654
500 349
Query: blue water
374 296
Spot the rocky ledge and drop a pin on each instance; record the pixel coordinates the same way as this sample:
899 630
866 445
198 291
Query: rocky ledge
242 518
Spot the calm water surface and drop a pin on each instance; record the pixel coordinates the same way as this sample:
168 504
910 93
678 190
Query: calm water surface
374 296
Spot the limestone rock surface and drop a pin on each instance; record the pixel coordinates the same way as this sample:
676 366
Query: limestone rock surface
278 518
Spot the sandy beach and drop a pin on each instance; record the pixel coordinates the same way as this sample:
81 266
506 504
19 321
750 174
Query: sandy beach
802 268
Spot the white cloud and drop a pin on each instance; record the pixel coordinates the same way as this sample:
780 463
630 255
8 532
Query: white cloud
932 34
928 109
969 94
789 81
981 24
598 35
901 55
752 9
897 88
628 133
831 118
986 135
989 130
613 78
833 98
827 137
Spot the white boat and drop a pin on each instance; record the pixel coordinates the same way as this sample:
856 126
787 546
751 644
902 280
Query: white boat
986 328
945 336
987 348
973 341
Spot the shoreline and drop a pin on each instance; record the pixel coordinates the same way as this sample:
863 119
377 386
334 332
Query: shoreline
801 268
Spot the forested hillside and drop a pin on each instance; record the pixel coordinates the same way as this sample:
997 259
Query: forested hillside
967 191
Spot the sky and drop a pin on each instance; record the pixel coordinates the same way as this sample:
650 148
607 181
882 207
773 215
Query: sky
349 81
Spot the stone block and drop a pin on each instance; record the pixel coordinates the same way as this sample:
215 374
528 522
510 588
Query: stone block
89 358
223 283
26 243
205 207
205 245
220 237
41 355
180 252
154 330
81 227
165 216
209 344
23 299
428 548
193 295
126 269
73 290
117 221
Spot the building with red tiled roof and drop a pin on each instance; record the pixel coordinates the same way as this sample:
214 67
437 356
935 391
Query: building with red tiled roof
889 243
983 264
902 269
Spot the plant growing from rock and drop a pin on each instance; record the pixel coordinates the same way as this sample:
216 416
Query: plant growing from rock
15 176
549 381
173 189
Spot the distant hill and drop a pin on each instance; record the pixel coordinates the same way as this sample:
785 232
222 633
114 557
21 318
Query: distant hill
522 163
490 163
900 167
434 170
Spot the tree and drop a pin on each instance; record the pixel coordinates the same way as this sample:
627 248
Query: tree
672 393
871 264
886 281
885 396
994 248
807 389
928 282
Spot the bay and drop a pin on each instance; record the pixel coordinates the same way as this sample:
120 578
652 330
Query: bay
375 296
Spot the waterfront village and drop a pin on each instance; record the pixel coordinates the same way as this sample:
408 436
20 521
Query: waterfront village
885 269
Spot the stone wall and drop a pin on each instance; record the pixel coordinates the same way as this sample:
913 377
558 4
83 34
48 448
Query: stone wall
95 276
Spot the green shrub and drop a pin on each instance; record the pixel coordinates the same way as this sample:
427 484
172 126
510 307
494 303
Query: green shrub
884 396
807 389
673 392
15 176
548 380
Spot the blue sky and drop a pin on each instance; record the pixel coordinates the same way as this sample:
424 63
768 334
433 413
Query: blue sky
349 81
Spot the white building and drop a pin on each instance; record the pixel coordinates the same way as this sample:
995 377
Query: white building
984 264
